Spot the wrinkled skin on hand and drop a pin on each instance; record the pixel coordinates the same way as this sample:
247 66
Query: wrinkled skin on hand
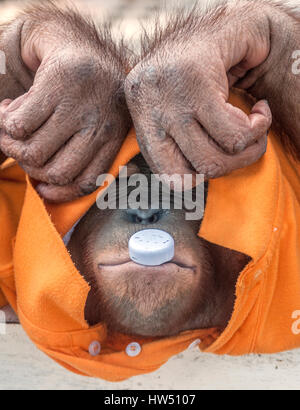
68 126
178 94
275 78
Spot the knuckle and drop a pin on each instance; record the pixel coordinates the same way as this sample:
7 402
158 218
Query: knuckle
186 121
14 126
12 149
239 146
32 156
211 169
89 119
232 143
49 194
58 176
141 77
132 86
80 69
150 74
87 186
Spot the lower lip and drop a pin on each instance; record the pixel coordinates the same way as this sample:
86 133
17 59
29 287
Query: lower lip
166 268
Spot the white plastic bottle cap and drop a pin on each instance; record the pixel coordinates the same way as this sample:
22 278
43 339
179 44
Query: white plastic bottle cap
151 247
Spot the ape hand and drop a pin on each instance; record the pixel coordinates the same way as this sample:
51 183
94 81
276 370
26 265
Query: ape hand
67 128
178 94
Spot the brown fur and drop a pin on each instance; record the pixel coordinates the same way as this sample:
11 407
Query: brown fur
146 301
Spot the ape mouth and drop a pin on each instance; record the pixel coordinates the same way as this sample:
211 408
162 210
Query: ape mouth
145 300
173 267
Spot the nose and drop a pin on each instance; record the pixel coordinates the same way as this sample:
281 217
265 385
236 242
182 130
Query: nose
144 217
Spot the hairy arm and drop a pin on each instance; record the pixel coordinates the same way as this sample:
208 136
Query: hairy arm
278 78
63 113
16 78
178 93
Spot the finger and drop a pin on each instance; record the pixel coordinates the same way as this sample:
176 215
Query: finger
206 157
80 150
44 143
59 194
235 74
70 161
161 152
85 184
76 155
3 106
231 128
26 113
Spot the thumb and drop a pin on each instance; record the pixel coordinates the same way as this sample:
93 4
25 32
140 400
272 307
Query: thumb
231 128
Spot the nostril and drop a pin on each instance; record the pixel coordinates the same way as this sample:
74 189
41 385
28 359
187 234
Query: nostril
154 218
138 220
144 217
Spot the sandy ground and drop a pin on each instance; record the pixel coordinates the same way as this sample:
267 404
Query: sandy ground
22 366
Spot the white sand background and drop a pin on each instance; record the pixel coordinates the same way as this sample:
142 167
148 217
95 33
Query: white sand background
22 366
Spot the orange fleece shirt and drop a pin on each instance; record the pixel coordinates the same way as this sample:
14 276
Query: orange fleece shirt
255 211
